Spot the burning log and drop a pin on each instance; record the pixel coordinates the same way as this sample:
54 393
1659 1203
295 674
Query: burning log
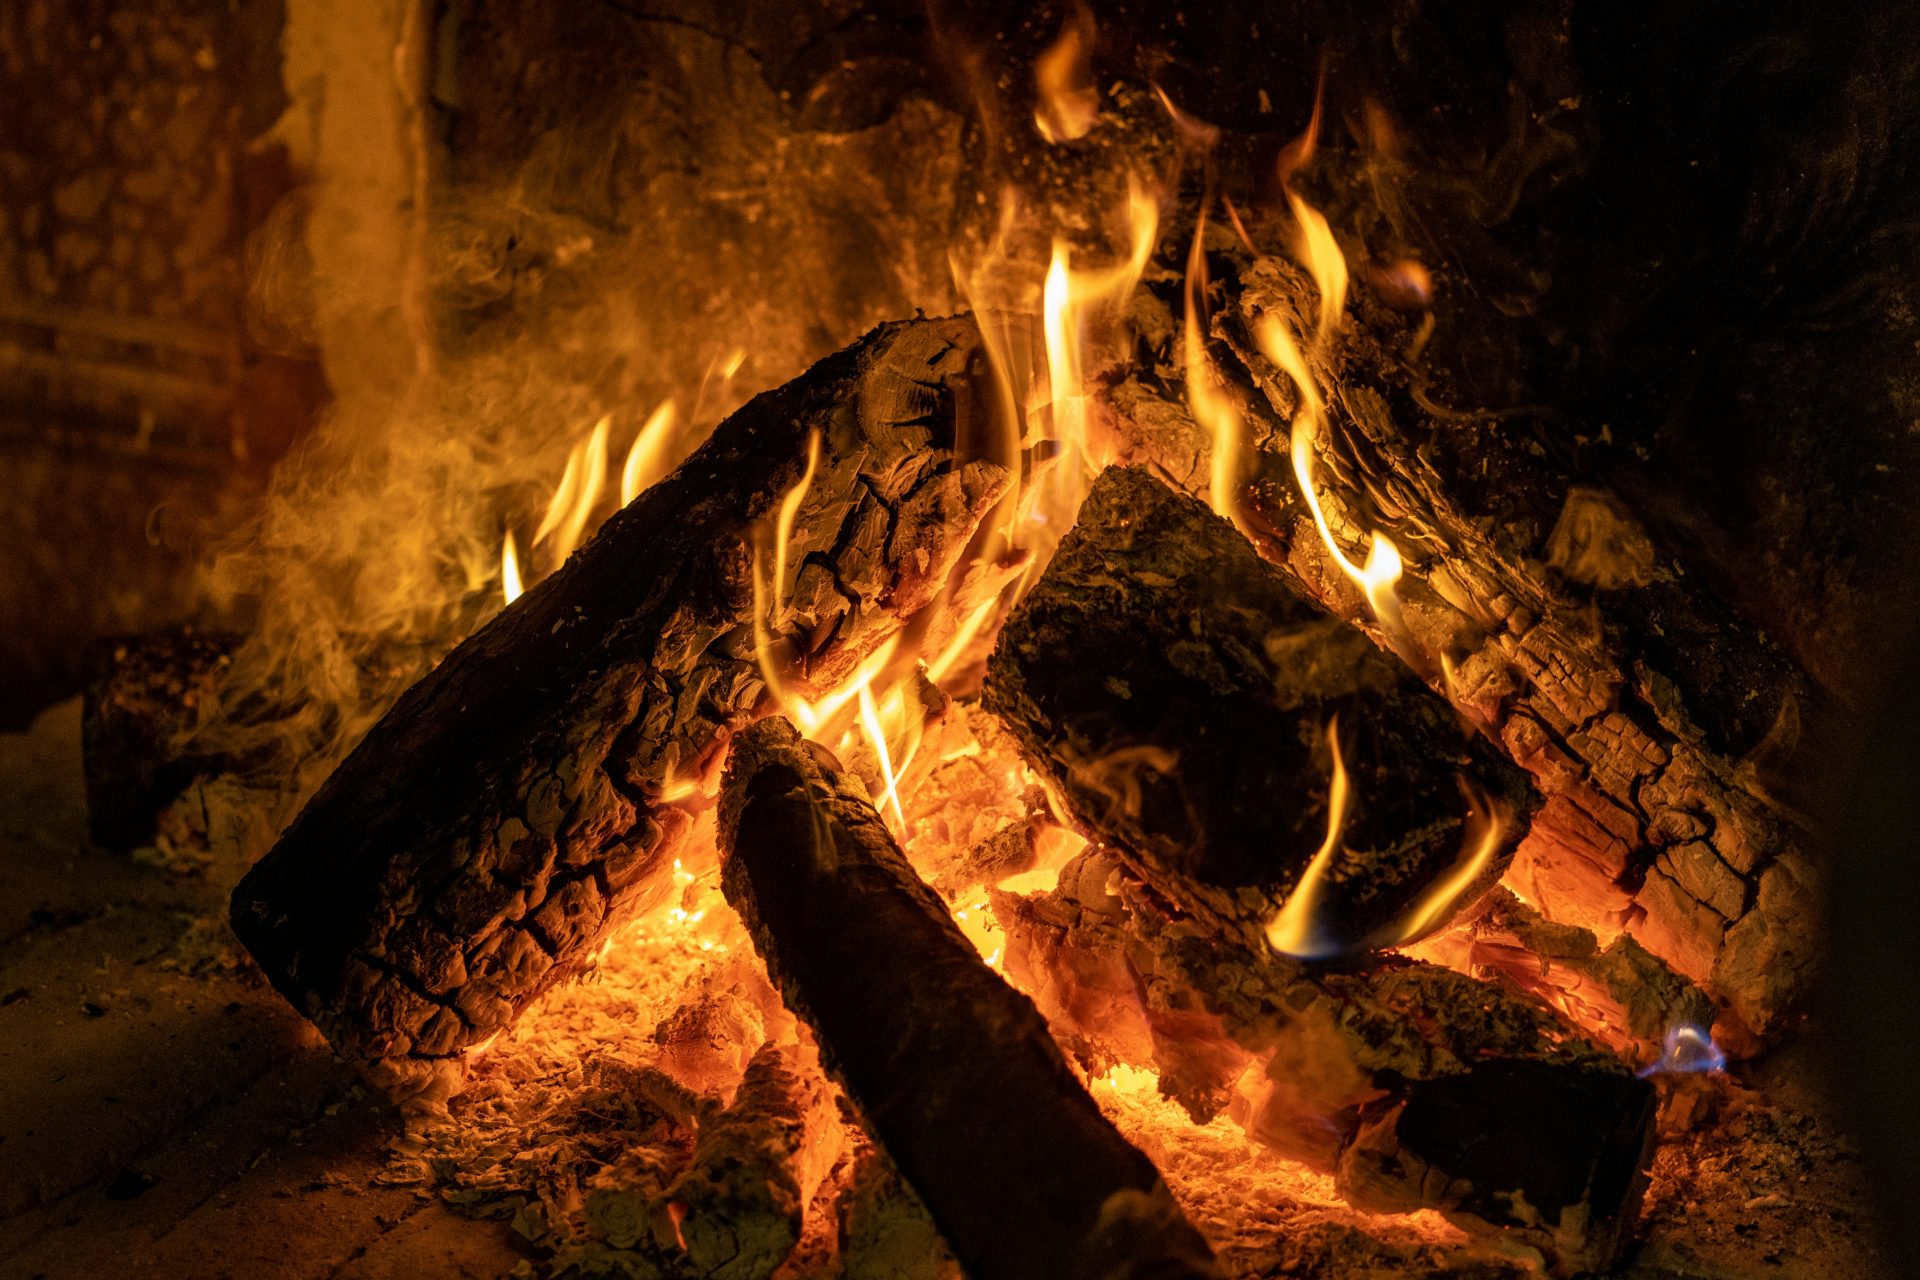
1414 1086
518 801
953 1069
738 1208
1178 691
1652 823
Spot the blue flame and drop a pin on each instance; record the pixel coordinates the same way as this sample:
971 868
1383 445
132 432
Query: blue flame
1686 1050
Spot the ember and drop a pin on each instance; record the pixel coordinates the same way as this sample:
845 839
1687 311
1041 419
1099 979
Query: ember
895 648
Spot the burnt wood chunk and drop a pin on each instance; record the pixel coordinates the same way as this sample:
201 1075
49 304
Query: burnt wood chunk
1659 728
1414 1086
954 1070
1177 690
142 698
514 805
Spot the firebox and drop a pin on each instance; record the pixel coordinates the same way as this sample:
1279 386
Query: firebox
904 640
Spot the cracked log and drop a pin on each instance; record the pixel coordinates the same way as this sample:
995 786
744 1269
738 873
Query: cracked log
1629 708
1416 1087
954 1070
1176 691
516 803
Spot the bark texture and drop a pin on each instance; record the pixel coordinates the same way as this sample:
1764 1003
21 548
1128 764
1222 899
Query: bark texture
1651 824
954 1070
1177 691
513 805
1416 1087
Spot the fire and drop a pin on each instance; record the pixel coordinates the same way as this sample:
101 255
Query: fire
648 457
579 492
1379 577
510 588
1063 79
1298 928
1072 303
1484 831
1211 408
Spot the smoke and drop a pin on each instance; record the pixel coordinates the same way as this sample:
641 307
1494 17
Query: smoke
471 342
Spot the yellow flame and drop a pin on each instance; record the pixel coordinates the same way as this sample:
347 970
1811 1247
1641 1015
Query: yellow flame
1063 76
1379 577
648 459
877 736
1211 408
790 507
1295 929
510 588
956 648
1480 841
579 491
1315 245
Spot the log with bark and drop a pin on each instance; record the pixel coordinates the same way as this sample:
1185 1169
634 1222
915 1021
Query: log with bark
1415 1086
1178 693
1641 713
518 801
954 1070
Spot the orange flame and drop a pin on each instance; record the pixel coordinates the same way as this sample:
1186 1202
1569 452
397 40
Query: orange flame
579 491
1063 76
1483 832
648 458
1297 928
1212 409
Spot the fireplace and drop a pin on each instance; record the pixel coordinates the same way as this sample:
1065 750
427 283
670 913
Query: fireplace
902 640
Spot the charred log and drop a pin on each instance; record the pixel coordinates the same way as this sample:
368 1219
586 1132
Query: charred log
953 1069
520 799
1650 825
1178 691
1402 1080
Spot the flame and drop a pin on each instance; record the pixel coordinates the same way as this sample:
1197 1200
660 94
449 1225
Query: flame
1070 303
510 588
579 491
1212 409
1379 577
1687 1049
790 507
647 459
1315 245
1063 77
1296 929
1481 841
877 736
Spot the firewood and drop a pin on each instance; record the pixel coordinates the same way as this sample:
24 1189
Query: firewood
528 793
738 1208
1652 823
142 697
1415 1086
953 1069
1177 690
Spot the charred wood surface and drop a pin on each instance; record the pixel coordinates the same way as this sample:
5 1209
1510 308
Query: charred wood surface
1177 690
954 1070
1415 1086
515 804
1658 819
